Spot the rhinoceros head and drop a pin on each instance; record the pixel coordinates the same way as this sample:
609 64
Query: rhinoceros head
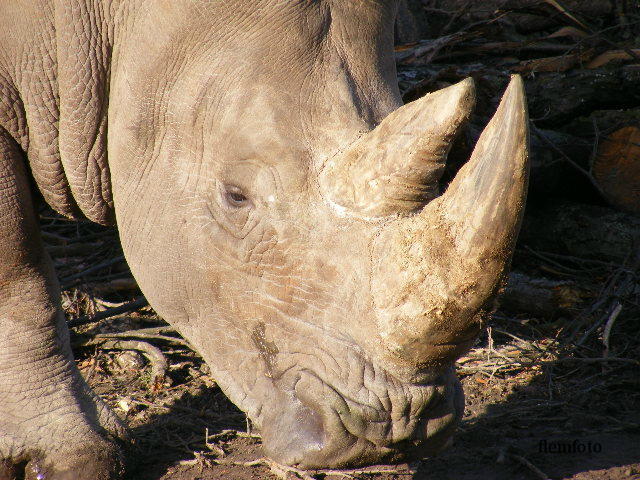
279 206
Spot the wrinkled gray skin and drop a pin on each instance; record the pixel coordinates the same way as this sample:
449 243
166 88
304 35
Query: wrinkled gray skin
218 116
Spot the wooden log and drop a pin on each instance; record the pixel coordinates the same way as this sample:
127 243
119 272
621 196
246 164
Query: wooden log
556 99
541 297
526 16
585 231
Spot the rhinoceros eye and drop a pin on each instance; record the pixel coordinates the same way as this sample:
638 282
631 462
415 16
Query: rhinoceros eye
235 197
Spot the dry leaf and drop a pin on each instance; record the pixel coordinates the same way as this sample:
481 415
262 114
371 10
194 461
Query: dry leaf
569 32
611 55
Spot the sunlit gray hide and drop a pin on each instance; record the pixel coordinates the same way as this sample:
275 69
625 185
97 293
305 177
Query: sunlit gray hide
277 204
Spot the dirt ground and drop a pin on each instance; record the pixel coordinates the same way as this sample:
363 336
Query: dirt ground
553 384
528 416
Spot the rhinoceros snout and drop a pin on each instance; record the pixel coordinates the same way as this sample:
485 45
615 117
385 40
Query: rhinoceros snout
294 433
323 422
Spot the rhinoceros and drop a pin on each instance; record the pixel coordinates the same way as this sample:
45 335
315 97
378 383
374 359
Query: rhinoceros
276 203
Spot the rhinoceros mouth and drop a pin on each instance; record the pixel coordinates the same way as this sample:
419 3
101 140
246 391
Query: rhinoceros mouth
320 421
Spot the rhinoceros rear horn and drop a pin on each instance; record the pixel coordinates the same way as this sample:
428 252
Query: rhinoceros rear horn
395 168
448 260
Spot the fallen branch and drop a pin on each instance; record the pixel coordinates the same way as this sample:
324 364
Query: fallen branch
535 470
234 433
426 50
624 282
72 249
608 326
596 360
366 471
283 471
155 333
68 281
562 9
570 161
124 284
157 360
108 313
278 470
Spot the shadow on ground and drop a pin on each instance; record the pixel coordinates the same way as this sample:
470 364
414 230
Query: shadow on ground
528 436
551 425
173 437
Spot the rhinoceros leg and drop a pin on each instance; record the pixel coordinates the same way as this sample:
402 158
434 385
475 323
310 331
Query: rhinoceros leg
50 420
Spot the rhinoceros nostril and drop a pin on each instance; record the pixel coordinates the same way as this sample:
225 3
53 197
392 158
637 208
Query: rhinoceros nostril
293 431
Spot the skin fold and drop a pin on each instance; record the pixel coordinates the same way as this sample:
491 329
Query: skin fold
267 210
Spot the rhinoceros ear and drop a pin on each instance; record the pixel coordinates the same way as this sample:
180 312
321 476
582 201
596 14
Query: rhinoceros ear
395 168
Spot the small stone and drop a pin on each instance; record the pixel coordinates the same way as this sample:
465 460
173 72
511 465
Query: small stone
124 405
130 360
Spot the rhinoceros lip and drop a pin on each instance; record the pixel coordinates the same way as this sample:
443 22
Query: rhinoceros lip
380 414
383 437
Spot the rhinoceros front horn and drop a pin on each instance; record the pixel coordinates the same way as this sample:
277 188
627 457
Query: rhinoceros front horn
437 271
